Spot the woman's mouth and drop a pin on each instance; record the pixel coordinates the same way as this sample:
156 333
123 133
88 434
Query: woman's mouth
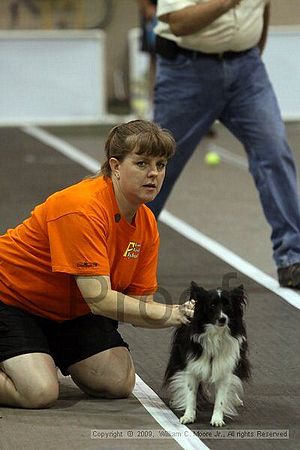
150 186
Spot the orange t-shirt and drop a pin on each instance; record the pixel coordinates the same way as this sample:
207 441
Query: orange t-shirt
77 231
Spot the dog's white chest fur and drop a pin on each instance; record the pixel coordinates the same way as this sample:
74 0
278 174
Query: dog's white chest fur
220 355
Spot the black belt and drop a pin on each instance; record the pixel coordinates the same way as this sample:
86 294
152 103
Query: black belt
222 55
169 50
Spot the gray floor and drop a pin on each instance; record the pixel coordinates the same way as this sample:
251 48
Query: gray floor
30 171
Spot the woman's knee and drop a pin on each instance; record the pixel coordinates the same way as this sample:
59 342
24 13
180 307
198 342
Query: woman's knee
42 394
114 390
121 387
109 374
29 381
115 385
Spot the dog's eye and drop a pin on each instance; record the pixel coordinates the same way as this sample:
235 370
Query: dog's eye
212 306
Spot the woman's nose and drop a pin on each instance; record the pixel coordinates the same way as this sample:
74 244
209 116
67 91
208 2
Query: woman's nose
152 170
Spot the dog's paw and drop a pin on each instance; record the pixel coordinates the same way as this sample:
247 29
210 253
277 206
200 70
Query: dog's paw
188 418
217 420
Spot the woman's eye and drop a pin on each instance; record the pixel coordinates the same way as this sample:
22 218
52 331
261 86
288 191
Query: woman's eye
141 163
161 165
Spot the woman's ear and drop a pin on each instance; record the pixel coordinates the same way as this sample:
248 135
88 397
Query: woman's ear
114 166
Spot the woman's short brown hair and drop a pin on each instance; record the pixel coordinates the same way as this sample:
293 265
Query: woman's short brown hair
147 138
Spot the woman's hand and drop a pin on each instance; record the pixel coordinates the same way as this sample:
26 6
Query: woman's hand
182 314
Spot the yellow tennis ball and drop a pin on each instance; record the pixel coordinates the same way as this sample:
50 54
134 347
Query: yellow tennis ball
212 159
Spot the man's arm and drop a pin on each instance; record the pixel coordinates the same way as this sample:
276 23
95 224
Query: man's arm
102 300
193 18
262 42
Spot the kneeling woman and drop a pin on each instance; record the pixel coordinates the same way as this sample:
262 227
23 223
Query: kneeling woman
84 260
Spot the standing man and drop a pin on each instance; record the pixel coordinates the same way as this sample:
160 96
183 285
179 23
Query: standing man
210 67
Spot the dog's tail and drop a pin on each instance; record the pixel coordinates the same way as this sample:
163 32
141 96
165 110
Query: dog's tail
177 390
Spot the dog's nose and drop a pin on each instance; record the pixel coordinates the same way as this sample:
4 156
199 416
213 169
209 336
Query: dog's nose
222 320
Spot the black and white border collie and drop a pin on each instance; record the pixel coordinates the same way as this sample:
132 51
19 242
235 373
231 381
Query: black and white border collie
209 355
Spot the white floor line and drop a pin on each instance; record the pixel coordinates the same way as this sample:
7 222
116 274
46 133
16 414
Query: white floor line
229 257
63 147
166 418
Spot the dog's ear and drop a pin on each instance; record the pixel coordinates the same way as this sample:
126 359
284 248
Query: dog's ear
197 292
194 285
239 295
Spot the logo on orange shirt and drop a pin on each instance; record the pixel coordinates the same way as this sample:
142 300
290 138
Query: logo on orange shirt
132 251
87 264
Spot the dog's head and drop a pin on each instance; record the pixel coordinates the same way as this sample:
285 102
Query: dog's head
218 307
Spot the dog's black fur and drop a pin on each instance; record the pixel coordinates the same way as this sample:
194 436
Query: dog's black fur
211 351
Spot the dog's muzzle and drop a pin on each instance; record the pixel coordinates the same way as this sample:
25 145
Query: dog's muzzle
222 321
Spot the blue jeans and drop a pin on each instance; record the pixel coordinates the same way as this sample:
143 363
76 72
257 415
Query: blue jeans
191 92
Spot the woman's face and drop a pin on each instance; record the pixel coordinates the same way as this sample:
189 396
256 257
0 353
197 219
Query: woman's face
139 177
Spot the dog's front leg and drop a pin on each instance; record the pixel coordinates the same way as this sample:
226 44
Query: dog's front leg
221 388
191 399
